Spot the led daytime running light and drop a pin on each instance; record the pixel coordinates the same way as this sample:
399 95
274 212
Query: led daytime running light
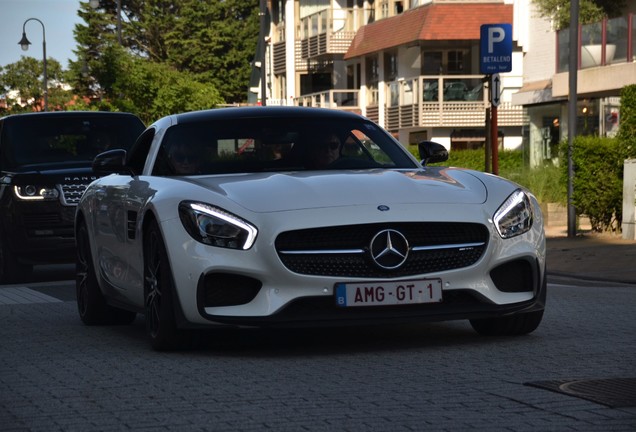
514 217
218 213
37 195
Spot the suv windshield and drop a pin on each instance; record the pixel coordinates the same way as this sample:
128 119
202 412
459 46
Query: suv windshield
37 140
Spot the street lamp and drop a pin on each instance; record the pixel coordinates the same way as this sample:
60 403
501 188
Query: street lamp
24 43
95 4
263 21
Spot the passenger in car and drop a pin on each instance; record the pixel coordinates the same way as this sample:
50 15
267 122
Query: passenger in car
183 159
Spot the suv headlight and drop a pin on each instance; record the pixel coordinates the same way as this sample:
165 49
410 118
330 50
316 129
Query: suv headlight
33 192
515 215
215 227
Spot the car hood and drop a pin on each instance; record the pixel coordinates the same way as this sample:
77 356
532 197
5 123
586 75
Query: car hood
268 192
59 173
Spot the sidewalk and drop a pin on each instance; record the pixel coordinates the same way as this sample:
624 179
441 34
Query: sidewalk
590 257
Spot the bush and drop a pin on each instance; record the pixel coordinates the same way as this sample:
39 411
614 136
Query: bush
627 130
544 182
598 180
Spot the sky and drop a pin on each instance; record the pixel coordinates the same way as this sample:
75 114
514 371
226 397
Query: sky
59 18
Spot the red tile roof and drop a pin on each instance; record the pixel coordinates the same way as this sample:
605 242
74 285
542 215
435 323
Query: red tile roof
430 22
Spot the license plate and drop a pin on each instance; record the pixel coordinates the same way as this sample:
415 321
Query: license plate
389 293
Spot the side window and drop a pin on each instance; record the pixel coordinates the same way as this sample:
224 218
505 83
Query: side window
359 145
139 152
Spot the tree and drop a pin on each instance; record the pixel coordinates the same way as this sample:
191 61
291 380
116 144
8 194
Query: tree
215 41
25 77
590 11
153 90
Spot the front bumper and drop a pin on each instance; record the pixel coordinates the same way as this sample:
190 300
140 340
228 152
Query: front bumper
40 232
491 287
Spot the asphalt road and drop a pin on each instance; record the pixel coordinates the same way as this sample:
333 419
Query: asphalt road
57 374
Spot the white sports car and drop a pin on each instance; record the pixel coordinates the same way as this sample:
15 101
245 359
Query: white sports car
281 216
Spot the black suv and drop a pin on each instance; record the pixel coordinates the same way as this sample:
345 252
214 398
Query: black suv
45 165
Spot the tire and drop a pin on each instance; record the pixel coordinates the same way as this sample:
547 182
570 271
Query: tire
513 325
12 271
91 304
161 327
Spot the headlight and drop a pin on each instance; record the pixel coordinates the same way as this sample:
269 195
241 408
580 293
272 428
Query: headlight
215 227
515 215
32 192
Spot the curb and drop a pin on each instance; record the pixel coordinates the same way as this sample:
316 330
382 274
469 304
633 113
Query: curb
587 281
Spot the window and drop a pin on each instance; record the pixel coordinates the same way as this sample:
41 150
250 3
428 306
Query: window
390 66
372 74
432 63
455 62
384 9
446 62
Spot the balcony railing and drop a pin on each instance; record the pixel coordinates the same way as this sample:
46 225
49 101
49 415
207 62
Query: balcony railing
343 99
330 31
424 101
610 41
444 101
333 20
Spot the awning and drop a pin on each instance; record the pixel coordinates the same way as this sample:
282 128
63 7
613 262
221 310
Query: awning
534 93
425 23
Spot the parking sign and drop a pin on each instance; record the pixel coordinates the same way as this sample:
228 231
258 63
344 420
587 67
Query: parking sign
495 48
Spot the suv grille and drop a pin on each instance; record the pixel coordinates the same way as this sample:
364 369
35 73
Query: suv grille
344 251
72 192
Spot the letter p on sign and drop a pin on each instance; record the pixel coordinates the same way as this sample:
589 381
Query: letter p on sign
495 35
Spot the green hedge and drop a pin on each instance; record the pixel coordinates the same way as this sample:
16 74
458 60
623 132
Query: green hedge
627 131
598 169
544 182
598 180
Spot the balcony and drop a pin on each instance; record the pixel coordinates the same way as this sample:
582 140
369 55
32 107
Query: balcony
334 99
330 31
424 101
444 101
607 50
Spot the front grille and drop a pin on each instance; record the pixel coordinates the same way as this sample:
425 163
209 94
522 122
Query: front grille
344 251
71 193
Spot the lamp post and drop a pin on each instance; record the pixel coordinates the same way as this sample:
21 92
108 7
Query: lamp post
24 43
95 4
263 21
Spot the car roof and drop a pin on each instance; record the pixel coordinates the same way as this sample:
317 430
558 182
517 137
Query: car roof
62 114
264 112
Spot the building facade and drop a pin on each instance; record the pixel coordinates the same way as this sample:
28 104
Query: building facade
412 66
606 54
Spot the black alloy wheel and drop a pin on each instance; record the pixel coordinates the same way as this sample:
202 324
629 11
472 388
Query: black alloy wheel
161 326
91 304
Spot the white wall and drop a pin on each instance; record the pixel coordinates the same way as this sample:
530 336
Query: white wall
538 42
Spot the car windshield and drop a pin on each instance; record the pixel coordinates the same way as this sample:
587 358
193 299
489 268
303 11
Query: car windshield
277 144
50 140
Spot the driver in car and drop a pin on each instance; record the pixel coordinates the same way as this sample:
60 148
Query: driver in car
325 151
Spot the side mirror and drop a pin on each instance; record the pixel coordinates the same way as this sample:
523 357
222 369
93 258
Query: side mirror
432 152
110 162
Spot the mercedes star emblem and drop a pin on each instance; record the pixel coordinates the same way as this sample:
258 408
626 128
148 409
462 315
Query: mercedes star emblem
389 249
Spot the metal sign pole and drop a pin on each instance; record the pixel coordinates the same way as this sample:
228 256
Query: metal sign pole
573 66
494 134
495 91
